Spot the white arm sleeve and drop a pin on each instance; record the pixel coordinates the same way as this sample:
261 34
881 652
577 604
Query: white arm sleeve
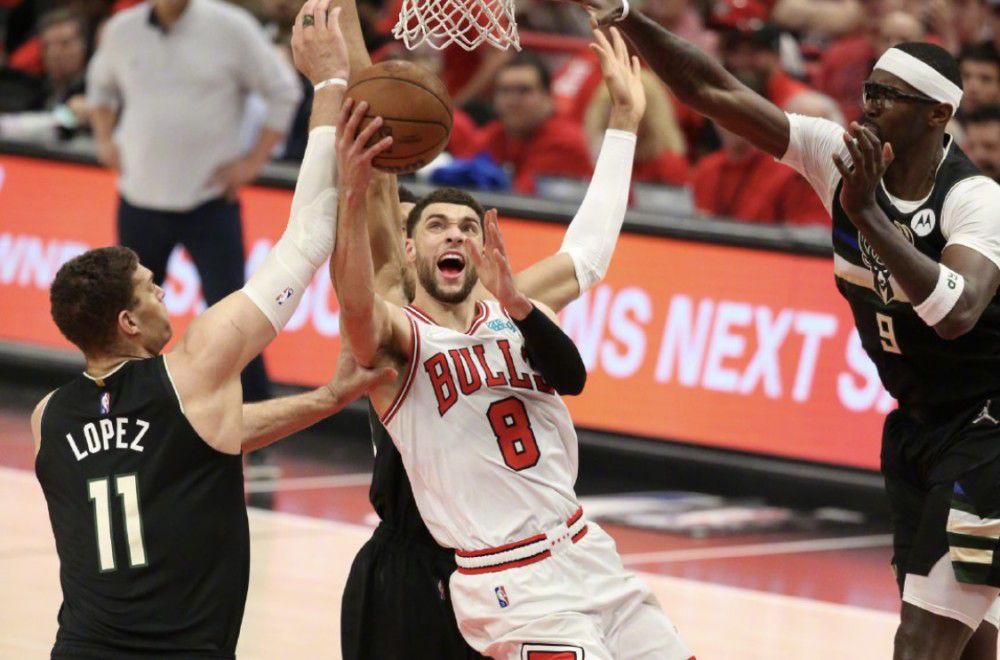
591 236
309 238
812 141
969 216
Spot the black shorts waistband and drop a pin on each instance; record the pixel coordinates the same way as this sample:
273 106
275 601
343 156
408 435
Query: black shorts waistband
415 540
941 413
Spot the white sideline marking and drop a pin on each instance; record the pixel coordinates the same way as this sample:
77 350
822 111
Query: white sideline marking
760 549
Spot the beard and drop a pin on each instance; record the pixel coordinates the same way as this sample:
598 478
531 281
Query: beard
425 274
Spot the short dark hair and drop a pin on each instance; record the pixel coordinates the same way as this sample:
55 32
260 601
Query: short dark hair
527 58
983 115
442 196
407 196
89 291
983 51
63 15
934 56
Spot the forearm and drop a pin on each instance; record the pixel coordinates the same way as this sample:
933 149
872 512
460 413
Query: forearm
916 273
267 421
326 106
102 122
692 75
384 224
551 352
352 271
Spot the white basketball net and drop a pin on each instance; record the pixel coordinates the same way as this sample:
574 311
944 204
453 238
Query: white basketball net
467 23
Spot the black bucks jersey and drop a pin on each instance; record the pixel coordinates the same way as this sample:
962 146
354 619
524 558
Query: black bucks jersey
149 521
916 365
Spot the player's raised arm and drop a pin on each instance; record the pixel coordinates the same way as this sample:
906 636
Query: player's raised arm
696 78
217 346
267 421
550 350
585 253
366 319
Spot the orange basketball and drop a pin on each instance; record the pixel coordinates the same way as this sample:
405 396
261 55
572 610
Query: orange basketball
415 107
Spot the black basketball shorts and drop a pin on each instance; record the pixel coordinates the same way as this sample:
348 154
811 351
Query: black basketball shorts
397 603
942 477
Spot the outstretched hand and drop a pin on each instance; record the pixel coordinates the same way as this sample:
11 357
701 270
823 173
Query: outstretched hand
354 155
494 269
869 161
351 380
602 12
318 47
621 75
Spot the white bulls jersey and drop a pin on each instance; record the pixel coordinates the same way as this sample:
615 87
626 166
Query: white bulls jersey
488 445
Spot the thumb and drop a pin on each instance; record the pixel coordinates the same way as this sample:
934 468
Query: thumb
384 375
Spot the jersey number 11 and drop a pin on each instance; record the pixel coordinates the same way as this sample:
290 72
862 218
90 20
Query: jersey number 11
127 488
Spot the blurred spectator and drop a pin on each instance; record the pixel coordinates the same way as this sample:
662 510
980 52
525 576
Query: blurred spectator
528 138
752 55
820 18
740 181
178 72
994 22
980 66
682 18
982 139
848 61
59 108
660 149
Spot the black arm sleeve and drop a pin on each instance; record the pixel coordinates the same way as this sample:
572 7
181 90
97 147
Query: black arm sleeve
552 353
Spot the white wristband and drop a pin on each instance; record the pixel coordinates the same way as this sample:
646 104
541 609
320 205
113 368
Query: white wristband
943 298
625 9
340 82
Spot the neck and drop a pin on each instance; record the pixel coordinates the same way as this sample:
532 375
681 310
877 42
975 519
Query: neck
911 174
168 11
100 365
456 316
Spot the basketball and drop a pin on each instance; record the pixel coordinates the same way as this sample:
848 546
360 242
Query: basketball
415 107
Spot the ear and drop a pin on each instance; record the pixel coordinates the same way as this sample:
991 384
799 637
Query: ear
411 250
940 115
127 323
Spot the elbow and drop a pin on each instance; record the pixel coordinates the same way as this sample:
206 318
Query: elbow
956 324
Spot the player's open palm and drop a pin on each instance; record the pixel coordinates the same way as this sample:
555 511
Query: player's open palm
356 150
492 265
318 47
622 73
869 161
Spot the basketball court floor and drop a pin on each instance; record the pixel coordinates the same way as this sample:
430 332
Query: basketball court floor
801 591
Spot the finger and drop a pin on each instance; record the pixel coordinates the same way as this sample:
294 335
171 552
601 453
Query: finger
476 256
385 374
345 115
368 132
305 9
865 140
333 23
602 41
854 150
377 148
357 114
636 67
321 13
845 172
621 50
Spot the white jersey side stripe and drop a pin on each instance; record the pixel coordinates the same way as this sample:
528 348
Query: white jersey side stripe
414 358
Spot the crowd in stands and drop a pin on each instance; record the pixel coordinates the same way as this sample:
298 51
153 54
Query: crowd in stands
526 118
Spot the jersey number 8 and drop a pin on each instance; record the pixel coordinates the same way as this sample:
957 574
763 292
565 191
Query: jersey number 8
512 428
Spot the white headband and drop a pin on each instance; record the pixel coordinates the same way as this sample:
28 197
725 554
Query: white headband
921 76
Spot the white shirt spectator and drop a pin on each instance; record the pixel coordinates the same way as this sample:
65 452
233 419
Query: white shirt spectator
182 94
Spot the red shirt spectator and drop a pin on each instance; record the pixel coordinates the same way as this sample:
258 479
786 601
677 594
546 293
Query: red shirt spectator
668 168
556 148
528 137
464 134
742 182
